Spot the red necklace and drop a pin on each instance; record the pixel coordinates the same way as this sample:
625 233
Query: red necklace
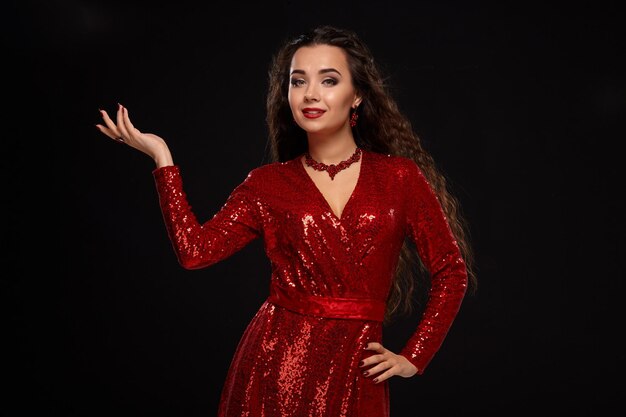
332 169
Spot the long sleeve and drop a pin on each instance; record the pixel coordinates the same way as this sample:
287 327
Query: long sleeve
200 245
429 229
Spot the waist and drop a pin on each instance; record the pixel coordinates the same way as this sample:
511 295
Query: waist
329 307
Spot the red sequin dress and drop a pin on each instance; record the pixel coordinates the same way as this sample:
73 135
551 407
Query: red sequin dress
330 278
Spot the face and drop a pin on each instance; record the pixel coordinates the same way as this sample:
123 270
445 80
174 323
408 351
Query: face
321 92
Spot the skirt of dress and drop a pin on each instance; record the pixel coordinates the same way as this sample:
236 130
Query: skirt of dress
293 365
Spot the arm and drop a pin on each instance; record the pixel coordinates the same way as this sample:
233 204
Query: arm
196 245
427 226
200 245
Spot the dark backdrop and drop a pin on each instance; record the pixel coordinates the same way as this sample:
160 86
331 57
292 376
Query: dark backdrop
522 106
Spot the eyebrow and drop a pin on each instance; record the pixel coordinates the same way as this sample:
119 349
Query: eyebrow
322 71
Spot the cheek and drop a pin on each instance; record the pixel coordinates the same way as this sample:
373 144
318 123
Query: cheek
339 99
293 99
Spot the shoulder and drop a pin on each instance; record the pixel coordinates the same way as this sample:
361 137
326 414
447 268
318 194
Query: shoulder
267 175
266 171
401 167
406 174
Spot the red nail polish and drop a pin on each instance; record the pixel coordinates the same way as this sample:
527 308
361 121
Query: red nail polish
375 380
366 373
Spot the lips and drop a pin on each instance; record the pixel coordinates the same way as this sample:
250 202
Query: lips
312 113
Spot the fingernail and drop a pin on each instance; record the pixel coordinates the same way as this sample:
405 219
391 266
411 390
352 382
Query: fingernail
375 380
366 373
361 363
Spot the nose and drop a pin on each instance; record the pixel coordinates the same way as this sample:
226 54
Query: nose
311 94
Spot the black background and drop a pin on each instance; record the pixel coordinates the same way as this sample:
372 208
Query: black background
521 104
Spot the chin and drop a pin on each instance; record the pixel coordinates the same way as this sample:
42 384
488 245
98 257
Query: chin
307 126
319 128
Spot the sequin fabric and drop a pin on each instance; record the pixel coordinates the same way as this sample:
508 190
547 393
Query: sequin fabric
291 363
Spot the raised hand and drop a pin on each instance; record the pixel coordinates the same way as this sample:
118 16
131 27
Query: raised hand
123 131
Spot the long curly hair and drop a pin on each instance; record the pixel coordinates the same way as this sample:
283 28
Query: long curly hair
382 128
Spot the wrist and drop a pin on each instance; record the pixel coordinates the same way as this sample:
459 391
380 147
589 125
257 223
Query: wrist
163 157
411 367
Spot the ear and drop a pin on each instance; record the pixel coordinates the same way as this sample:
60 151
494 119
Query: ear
357 101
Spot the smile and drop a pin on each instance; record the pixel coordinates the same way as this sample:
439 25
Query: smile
312 113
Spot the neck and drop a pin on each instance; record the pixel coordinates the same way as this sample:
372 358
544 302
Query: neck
331 151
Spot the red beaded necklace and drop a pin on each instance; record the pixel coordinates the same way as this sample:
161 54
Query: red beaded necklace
332 169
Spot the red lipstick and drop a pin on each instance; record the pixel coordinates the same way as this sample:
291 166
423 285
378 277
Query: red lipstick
312 112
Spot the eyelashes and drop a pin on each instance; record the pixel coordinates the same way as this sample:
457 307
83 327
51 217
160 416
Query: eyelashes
299 82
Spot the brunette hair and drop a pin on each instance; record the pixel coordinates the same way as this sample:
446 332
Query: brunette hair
382 128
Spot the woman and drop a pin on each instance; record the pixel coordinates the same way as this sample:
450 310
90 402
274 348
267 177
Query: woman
350 187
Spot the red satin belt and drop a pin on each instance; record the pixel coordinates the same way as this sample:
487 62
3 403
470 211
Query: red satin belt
330 307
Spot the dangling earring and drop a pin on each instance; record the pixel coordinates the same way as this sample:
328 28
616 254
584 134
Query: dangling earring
353 118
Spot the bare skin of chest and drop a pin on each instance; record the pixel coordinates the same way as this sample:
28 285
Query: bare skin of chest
336 192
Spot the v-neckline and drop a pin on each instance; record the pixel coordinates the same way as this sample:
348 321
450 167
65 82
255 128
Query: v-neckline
321 196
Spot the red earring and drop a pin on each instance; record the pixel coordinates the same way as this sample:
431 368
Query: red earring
353 118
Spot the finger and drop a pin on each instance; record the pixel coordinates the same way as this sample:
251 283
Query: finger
120 122
110 125
110 134
372 360
375 346
383 366
127 123
384 376
106 131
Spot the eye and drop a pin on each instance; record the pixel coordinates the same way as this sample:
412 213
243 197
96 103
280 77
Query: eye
330 81
297 82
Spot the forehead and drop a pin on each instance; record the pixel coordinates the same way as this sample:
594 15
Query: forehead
313 58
